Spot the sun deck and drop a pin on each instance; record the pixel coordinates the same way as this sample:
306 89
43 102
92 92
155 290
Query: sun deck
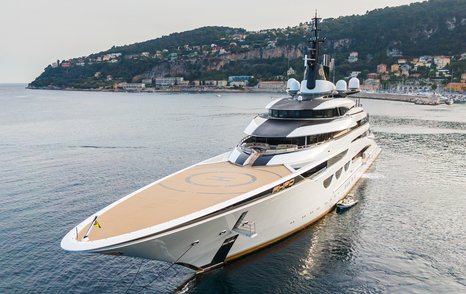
191 190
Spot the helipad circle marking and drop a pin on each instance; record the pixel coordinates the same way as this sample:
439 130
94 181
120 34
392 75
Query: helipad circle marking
222 178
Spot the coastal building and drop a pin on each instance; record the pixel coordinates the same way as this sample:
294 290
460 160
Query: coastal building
457 87
238 37
240 84
222 83
183 83
394 52
394 68
443 73
66 64
371 85
272 85
405 66
216 83
290 72
147 81
463 77
425 59
402 60
168 81
353 57
385 77
232 79
132 86
381 68
441 61
373 76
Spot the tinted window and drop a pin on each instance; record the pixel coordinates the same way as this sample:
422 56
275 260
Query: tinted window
347 166
314 170
328 181
326 113
338 173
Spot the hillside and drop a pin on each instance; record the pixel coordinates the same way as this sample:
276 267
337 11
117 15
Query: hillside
435 27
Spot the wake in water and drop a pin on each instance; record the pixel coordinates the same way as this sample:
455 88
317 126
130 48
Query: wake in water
373 176
108 147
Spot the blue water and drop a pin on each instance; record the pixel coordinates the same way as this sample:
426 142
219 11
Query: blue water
65 155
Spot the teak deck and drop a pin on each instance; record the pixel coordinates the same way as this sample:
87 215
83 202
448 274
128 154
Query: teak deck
194 189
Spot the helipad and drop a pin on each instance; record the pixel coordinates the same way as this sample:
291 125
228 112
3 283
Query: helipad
186 192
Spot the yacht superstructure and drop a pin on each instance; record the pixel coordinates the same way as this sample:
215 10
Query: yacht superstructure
296 162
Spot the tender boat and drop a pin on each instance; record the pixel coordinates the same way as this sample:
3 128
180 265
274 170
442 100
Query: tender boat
346 202
296 162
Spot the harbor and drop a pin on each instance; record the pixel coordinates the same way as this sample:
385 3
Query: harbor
63 176
201 147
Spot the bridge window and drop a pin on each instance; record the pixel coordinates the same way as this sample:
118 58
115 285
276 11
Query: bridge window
325 113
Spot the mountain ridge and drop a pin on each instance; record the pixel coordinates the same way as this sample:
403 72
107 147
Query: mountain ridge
435 27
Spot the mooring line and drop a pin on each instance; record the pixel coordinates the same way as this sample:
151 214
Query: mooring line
134 278
171 265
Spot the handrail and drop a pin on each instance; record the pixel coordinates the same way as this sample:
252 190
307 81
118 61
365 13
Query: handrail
89 228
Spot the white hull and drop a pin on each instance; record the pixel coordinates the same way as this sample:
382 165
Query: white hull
275 216
298 160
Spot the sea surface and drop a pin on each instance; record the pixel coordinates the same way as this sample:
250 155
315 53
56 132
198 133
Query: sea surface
65 155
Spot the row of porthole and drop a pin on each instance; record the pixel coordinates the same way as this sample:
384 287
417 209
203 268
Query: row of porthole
328 180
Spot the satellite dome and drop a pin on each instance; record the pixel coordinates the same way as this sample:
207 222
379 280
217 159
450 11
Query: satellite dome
292 87
341 86
354 84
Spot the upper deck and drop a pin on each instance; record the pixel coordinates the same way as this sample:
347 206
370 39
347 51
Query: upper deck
186 192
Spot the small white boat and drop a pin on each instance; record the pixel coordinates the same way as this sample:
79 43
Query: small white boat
346 203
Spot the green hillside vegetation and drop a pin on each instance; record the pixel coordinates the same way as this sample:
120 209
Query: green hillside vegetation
435 27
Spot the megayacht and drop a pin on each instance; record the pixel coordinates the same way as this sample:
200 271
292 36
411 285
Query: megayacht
296 162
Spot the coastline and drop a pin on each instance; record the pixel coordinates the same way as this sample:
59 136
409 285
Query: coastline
363 95
167 90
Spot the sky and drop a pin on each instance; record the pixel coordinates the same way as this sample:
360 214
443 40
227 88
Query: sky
34 33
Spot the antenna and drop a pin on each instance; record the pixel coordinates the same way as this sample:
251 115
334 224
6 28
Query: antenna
313 60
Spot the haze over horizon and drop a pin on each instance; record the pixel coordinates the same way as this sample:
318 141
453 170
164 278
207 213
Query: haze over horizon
36 33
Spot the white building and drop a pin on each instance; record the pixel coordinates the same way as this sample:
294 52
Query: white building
272 86
353 57
132 86
168 81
